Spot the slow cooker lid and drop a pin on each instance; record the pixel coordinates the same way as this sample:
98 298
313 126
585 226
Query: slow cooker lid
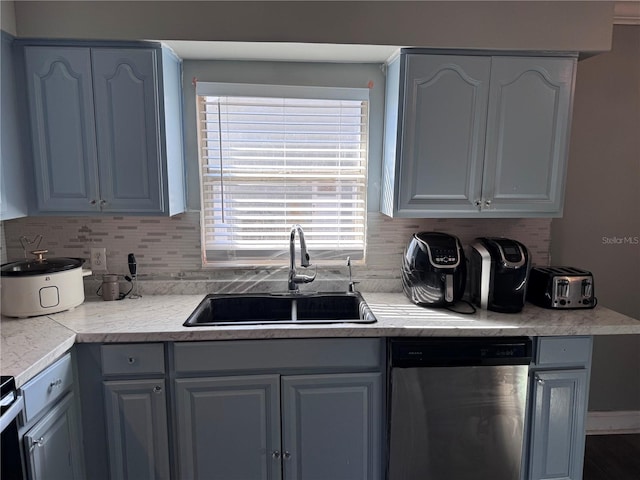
40 267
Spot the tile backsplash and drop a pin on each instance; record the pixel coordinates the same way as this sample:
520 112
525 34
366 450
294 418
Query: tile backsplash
168 249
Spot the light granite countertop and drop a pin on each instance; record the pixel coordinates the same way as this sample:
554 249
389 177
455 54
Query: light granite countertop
29 345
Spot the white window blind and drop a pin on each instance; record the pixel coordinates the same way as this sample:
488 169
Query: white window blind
268 162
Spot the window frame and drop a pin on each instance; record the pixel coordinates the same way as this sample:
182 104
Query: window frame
281 91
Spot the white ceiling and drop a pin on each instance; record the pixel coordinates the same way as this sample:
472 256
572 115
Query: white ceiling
283 52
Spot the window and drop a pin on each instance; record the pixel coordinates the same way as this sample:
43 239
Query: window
279 157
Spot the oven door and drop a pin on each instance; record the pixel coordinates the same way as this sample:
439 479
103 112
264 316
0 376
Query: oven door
11 457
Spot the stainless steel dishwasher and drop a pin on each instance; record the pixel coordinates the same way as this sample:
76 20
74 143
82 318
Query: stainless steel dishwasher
457 408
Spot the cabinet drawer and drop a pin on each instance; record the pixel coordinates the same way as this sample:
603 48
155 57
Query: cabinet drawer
47 387
562 351
133 359
280 354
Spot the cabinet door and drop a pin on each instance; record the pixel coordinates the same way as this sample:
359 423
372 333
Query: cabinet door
52 445
62 128
229 427
527 134
13 192
332 426
557 427
125 83
444 120
136 418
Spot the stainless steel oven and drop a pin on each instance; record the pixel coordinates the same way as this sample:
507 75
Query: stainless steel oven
11 406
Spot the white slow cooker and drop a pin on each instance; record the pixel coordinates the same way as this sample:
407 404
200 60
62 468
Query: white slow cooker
42 285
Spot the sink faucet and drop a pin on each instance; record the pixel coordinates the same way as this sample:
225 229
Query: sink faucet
294 277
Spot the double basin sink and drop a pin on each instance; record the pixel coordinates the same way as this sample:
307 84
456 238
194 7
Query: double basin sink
286 308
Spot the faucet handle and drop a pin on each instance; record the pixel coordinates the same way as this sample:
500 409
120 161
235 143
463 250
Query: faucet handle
302 278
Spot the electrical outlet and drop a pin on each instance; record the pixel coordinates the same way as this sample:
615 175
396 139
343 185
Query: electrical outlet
98 259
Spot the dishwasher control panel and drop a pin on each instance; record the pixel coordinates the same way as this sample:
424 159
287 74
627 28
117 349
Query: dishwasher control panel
407 353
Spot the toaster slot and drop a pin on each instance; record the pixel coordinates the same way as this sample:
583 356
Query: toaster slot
562 288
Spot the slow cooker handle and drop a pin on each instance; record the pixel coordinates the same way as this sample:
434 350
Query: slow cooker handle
39 254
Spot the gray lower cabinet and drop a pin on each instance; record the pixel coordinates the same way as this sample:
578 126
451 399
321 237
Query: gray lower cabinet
136 418
473 135
557 443
51 432
558 408
230 427
52 445
279 409
106 128
331 426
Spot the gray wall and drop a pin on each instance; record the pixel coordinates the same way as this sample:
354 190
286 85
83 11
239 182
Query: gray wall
8 17
602 208
540 25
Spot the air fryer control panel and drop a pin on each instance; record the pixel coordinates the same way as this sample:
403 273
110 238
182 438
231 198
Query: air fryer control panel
443 256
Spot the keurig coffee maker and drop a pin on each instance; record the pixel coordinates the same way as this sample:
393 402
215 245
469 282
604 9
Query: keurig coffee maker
498 272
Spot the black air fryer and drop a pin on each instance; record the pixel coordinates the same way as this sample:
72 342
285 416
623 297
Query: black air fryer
434 269
498 271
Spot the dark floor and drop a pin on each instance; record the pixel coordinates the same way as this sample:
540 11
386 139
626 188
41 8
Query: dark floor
612 457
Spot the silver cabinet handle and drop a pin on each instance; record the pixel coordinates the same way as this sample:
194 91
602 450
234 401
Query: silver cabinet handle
36 443
55 383
93 202
103 203
131 360
286 455
157 389
539 380
487 203
477 203
275 454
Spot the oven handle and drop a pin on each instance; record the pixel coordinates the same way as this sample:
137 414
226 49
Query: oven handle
12 412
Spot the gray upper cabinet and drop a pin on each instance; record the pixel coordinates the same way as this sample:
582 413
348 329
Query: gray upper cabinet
476 136
106 132
13 190
62 128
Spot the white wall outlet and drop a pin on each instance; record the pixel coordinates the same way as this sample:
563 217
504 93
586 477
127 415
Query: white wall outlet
98 259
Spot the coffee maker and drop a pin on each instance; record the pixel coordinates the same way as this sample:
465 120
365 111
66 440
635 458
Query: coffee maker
434 269
498 273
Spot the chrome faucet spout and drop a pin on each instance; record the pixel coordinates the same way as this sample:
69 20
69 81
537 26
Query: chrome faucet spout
294 277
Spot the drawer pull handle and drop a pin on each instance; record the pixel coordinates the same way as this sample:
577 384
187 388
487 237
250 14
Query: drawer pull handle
131 360
157 389
286 455
275 454
55 383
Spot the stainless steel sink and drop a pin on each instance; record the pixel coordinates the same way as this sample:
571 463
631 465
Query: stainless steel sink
288 308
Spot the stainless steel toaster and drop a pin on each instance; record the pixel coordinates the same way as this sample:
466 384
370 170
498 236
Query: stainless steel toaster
561 287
